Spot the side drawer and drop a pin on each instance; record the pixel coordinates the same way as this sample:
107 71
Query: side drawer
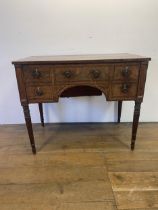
124 90
39 93
37 73
126 72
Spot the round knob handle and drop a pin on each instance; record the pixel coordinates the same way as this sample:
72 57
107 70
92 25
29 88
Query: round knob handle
125 72
36 74
67 74
96 74
39 92
125 88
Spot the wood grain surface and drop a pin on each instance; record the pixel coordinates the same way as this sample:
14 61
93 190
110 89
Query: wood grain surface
92 171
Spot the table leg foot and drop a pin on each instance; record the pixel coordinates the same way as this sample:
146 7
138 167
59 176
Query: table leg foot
34 150
132 146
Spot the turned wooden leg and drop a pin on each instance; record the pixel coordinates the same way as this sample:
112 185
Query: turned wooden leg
29 126
41 113
135 123
119 111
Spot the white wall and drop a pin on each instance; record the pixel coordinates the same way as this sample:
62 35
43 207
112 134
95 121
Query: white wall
47 27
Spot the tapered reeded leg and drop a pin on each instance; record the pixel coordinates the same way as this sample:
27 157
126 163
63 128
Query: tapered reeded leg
41 113
135 123
119 111
29 126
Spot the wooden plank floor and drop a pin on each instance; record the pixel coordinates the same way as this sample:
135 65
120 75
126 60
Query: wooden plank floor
79 167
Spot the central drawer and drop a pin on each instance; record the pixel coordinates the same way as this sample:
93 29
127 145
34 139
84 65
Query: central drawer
82 73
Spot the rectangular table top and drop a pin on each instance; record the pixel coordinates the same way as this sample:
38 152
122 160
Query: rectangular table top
91 58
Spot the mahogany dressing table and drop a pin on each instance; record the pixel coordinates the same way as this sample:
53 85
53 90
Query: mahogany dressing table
43 79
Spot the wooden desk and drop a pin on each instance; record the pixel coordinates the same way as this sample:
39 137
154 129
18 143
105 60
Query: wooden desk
120 77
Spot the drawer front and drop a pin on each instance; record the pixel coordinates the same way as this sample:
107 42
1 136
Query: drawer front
40 93
87 72
126 72
37 73
124 90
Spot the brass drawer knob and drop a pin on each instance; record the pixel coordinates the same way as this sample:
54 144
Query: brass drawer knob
96 74
36 74
125 88
39 92
67 74
125 72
